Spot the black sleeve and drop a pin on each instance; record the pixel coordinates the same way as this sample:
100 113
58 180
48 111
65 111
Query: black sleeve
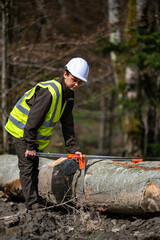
40 106
68 128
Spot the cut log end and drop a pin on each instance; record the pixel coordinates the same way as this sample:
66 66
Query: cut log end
13 190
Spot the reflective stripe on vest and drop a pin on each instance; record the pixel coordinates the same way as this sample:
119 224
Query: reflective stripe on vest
16 122
21 108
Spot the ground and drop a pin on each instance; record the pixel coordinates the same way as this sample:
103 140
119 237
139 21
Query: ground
17 223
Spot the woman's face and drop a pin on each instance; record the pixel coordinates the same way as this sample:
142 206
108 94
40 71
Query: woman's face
72 82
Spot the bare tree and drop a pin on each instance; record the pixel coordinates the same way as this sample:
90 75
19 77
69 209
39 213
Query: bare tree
133 124
4 73
114 30
44 29
114 36
102 135
63 13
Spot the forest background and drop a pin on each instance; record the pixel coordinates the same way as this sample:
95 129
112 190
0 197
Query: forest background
118 111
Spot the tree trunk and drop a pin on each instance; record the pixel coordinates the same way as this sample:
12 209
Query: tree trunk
45 30
63 15
102 135
110 124
120 187
133 124
114 35
4 76
147 14
140 6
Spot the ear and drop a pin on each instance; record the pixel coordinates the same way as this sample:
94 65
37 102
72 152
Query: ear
65 74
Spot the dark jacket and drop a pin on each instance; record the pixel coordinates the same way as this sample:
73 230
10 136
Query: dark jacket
40 104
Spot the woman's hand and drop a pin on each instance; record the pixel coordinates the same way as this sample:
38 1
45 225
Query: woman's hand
78 153
30 154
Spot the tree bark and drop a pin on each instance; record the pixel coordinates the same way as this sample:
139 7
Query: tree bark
133 124
114 37
45 30
114 34
4 75
63 15
102 135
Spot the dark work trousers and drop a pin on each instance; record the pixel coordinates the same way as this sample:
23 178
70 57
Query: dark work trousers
28 173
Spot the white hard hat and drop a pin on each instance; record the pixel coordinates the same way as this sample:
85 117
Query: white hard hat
78 67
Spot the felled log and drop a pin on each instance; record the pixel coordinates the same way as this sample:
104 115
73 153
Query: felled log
120 187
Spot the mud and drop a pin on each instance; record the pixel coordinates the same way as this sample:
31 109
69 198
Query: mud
69 222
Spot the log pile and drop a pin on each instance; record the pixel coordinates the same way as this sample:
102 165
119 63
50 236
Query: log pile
120 187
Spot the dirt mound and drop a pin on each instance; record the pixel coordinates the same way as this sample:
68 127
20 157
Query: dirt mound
70 223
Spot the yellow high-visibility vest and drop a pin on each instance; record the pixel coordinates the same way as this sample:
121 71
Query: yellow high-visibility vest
19 115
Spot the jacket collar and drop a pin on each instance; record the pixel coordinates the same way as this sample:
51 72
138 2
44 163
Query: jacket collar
66 92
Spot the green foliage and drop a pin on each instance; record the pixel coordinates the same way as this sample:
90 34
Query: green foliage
144 54
133 128
130 104
99 235
140 50
105 47
154 149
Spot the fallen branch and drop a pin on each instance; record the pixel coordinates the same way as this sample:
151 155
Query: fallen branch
13 217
